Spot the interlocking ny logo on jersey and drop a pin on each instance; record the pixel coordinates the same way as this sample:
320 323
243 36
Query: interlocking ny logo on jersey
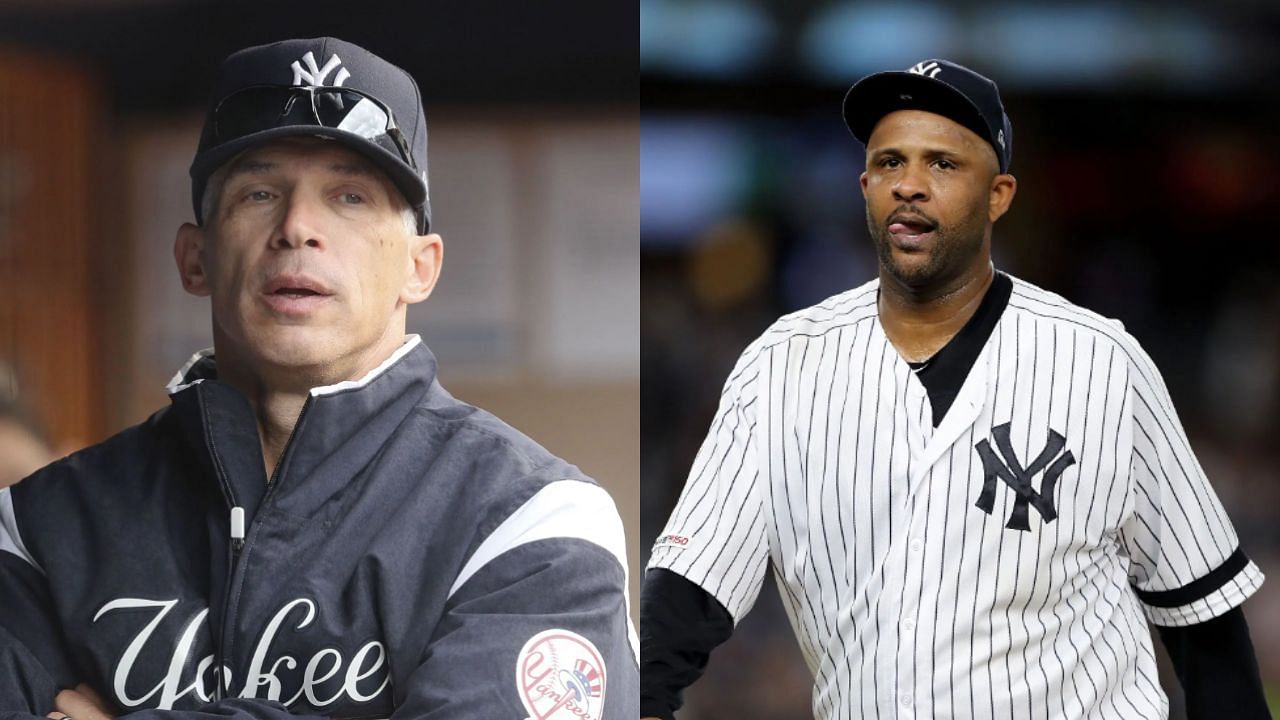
1010 470
930 69
314 74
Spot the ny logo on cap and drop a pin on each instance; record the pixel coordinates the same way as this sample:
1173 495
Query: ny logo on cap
929 69
314 75
1010 470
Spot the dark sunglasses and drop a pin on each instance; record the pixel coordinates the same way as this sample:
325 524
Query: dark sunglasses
261 107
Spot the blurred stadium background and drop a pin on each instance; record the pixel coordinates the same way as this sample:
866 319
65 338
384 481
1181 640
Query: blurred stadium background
1145 146
534 165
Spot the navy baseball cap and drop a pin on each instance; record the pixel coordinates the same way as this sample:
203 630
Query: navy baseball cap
936 86
317 87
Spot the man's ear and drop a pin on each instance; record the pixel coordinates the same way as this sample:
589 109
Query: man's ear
188 253
426 253
1003 188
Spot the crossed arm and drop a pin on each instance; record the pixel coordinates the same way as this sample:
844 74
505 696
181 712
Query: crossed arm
463 673
469 668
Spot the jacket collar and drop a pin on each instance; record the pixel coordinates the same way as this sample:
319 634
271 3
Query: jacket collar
341 429
203 366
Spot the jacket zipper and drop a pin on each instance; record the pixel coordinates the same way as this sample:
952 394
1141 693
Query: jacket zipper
238 548
235 546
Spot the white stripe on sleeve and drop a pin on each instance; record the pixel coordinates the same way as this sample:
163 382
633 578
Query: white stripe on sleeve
10 538
562 509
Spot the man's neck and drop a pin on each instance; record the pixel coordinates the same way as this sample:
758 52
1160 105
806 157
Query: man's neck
277 415
920 322
278 396
276 410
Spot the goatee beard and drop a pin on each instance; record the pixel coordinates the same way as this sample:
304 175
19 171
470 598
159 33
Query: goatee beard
951 250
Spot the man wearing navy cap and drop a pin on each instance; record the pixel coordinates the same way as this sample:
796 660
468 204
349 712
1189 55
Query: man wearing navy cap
314 526
975 496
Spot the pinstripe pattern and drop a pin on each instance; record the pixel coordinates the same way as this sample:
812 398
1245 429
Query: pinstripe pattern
906 598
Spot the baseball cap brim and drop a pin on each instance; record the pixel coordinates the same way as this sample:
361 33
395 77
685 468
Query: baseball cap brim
875 96
410 185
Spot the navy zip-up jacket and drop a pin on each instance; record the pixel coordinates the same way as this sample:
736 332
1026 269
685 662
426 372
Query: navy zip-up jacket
413 556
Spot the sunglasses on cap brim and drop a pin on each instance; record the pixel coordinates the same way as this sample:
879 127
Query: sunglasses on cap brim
256 108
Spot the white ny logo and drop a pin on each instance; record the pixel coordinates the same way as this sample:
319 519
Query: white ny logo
315 75
930 69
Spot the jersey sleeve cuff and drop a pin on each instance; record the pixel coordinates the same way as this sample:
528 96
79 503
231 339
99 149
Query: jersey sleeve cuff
1191 604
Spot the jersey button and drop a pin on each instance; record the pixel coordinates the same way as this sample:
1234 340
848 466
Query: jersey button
908 625
905 699
917 545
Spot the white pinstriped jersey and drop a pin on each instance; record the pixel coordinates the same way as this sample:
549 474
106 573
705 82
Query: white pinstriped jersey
899 547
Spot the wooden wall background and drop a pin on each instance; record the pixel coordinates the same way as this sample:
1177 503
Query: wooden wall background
48 339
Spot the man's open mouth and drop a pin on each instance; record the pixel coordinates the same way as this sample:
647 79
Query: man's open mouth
296 286
296 292
910 225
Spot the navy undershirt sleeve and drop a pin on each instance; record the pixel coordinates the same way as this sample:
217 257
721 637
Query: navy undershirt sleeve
1215 663
680 624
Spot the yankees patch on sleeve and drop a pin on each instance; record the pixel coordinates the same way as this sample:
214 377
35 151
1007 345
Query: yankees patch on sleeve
999 558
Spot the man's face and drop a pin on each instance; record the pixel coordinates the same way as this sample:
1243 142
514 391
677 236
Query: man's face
931 193
307 260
